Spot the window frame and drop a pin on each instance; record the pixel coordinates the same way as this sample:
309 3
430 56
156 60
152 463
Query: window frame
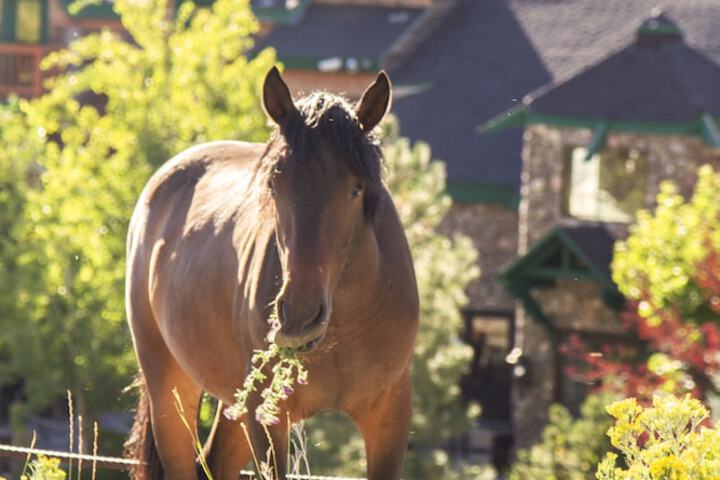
566 184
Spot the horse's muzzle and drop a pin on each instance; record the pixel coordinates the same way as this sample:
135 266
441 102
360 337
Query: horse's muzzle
307 337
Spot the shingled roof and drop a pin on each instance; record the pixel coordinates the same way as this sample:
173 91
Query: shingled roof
339 37
656 82
489 54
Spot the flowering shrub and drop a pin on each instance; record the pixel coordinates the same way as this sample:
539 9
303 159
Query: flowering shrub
669 271
664 442
44 468
672 356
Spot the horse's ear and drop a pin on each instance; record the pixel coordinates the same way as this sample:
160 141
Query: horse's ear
375 102
277 101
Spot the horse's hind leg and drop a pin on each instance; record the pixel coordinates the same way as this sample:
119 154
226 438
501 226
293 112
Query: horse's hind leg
385 426
228 449
163 375
174 443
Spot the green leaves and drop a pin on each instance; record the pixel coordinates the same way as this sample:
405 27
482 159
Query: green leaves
658 264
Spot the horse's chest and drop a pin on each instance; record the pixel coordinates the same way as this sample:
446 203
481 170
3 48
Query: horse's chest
345 374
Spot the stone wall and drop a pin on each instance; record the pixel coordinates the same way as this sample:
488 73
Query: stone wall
493 229
675 157
577 305
572 306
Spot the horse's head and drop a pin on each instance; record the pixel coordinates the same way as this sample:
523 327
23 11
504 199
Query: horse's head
322 174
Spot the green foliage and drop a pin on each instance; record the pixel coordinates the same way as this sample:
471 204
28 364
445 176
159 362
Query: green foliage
663 442
173 86
444 266
657 265
570 448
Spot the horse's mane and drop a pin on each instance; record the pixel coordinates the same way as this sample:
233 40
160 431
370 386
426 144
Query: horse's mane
324 116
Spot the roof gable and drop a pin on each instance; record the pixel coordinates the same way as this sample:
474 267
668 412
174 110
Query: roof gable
579 253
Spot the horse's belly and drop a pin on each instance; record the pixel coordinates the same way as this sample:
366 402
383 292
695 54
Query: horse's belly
208 352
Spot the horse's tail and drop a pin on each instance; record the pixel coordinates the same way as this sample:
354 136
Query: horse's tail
140 445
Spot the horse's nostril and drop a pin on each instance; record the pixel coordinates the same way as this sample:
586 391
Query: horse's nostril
319 316
281 312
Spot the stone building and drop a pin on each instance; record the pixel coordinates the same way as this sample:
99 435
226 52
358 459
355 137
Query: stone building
596 147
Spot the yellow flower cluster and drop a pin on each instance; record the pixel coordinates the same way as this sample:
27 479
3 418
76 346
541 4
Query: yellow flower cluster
662 442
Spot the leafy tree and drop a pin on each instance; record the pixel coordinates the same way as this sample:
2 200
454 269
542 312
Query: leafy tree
444 266
569 448
665 441
120 108
19 148
669 270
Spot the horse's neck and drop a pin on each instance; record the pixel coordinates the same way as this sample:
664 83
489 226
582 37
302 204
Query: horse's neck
358 286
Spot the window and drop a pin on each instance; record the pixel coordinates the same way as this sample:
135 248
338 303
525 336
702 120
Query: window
23 21
608 187
28 21
489 379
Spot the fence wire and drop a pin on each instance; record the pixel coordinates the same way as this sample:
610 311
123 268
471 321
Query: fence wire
115 463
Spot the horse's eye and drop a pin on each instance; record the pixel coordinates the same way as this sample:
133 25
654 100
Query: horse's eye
358 189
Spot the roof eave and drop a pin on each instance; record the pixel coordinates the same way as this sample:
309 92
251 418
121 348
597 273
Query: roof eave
705 126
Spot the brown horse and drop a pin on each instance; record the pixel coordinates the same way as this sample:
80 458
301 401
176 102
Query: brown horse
228 231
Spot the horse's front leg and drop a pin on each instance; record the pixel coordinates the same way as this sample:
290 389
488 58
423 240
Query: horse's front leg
227 450
268 443
385 425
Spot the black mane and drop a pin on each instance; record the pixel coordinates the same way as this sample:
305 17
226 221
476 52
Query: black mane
324 116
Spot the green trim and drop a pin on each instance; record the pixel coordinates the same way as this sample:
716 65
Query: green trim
523 116
45 22
683 128
471 192
598 140
530 271
515 117
7 17
710 130
664 29
522 291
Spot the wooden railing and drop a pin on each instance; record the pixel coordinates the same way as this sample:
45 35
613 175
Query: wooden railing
20 69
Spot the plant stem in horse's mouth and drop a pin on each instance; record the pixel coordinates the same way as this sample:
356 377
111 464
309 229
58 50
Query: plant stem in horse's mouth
287 370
